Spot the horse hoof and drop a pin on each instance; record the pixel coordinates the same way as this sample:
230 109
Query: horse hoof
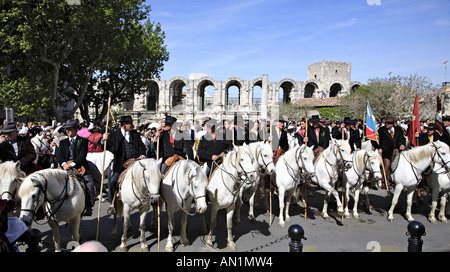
443 219
185 244
232 246
169 249
252 218
390 219
123 249
283 225
145 249
356 216
347 216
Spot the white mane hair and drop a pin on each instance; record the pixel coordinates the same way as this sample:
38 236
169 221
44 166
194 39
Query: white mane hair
9 169
40 177
417 154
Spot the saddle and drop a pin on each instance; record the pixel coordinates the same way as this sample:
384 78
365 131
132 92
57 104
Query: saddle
170 162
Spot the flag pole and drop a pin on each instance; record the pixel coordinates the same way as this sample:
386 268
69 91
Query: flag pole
306 187
103 170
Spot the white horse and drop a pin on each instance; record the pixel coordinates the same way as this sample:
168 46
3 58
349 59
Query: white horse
10 179
365 164
139 187
262 153
412 163
327 167
61 195
41 146
291 168
224 186
439 182
183 183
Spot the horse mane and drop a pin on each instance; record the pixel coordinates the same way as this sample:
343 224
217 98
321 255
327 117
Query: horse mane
8 168
417 154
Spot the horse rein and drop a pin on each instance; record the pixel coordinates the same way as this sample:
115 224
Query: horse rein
51 214
191 186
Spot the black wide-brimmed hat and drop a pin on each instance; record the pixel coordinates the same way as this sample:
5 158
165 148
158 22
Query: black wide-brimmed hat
314 118
72 124
432 126
170 120
11 126
125 119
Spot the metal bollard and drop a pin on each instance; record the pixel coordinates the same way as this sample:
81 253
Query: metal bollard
296 233
416 230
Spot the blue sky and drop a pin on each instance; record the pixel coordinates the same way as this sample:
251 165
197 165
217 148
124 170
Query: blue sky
249 38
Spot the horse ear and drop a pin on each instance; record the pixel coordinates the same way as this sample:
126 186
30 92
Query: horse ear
17 165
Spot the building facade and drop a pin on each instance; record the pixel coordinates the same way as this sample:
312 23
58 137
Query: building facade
201 96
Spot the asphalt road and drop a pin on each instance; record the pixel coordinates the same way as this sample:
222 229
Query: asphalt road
371 232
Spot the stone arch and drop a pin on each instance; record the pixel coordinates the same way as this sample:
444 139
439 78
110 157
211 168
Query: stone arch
311 87
230 99
354 87
203 83
336 88
152 96
287 86
256 86
177 92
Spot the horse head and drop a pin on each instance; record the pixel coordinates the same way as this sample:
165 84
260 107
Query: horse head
442 155
343 153
373 164
265 157
32 196
151 175
306 158
11 177
245 165
198 181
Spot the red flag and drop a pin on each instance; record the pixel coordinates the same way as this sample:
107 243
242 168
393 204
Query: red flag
438 118
415 123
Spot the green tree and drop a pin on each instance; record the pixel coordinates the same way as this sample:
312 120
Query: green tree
58 50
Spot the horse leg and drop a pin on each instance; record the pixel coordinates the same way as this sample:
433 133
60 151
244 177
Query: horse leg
288 203
56 236
183 235
230 212
397 191
126 224
170 226
441 215
366 199
325 205
409 198
347 198
237 211
251 203
76 228
142 216
356 200
212 225
434 200
281 193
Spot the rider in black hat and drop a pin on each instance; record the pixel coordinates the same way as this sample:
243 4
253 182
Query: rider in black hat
72 153
14 148
318 136
430 136
126 144
173 144
212 146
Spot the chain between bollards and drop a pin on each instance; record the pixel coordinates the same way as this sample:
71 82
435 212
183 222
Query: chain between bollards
416 230
296 233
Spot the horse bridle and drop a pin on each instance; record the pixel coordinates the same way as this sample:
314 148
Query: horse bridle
266 165
50 214
13 194
302 170
191 186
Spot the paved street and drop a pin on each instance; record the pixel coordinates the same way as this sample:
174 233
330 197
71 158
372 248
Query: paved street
351 235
